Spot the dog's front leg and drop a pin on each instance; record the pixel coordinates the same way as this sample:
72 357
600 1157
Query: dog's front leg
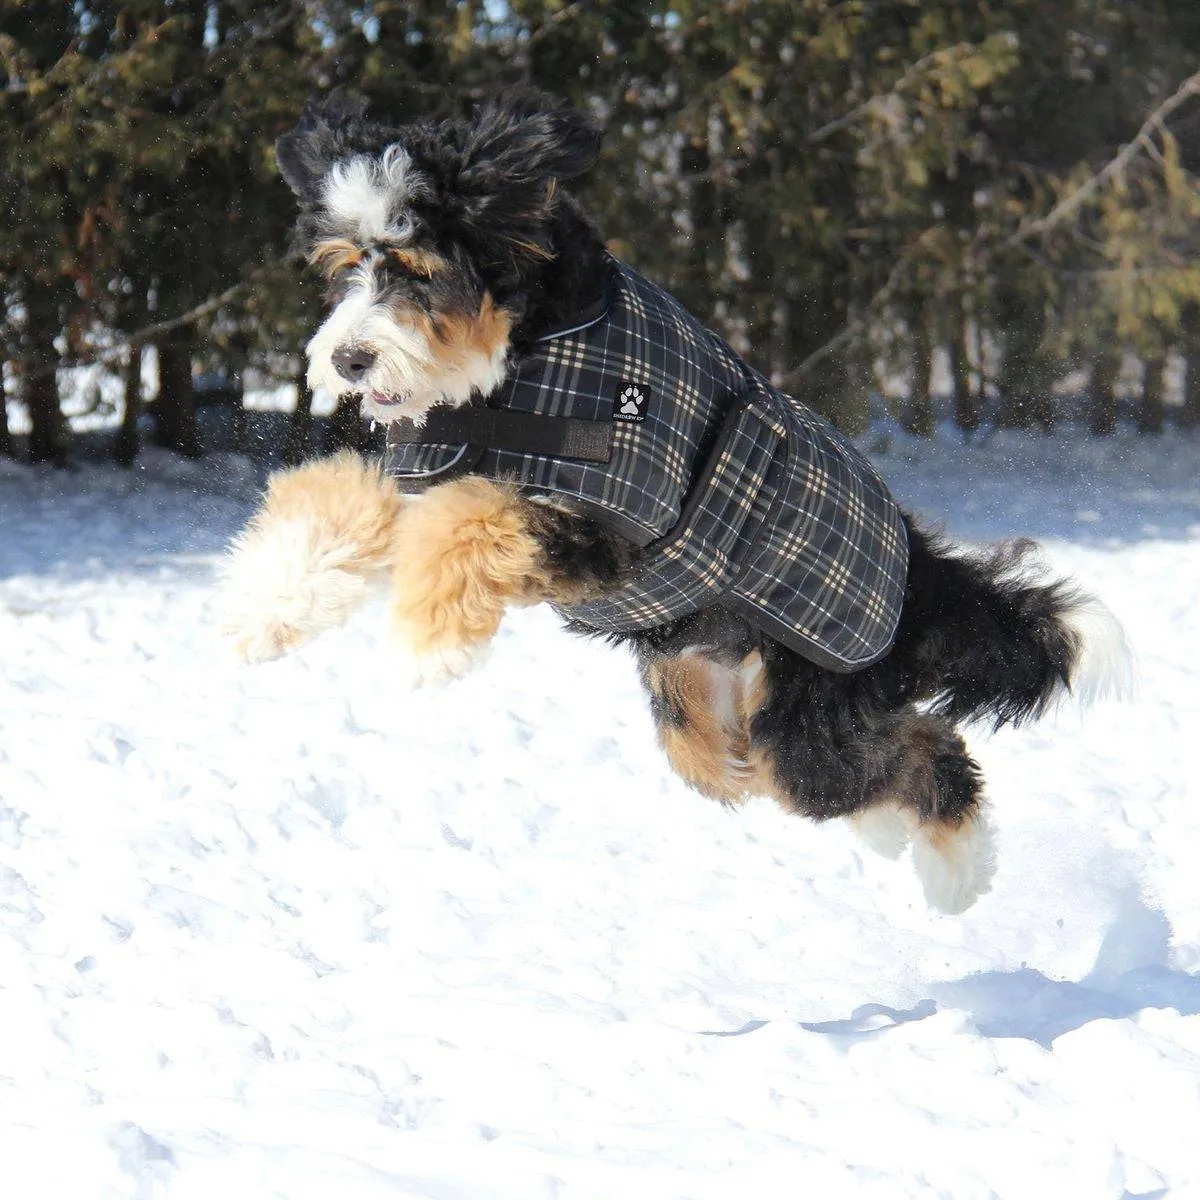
324 532
470 548
465 553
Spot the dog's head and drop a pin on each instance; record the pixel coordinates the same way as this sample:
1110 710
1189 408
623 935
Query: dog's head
431 236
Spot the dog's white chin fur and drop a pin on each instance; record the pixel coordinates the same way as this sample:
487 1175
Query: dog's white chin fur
282 586
406 365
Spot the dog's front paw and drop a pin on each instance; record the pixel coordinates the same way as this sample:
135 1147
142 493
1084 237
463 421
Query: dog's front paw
434 664
281 587
441 666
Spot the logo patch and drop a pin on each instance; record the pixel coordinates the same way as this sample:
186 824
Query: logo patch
631 403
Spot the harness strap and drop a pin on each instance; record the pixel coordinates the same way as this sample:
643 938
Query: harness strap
506 429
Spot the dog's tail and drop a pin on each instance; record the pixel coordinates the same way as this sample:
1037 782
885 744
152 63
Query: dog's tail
988 637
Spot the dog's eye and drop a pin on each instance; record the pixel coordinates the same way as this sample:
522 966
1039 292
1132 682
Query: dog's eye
424 263
335 256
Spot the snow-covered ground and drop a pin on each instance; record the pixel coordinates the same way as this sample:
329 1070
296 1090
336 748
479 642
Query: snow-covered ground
298 931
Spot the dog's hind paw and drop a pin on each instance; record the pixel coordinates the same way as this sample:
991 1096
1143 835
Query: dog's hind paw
955 863
886 828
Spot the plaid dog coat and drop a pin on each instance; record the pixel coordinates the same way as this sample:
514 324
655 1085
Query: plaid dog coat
740 495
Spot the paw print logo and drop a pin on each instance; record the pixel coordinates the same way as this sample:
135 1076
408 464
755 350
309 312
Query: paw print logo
631 403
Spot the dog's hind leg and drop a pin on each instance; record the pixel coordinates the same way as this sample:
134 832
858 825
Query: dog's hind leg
827 746
931 789
700 708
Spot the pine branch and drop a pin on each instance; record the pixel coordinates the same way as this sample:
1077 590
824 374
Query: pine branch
935 60
859 111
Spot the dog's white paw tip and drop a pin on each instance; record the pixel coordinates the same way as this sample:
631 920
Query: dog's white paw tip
884 828
280 588
439 667
265 644
955 866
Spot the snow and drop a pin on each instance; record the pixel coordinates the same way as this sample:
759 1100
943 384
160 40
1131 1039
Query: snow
302 931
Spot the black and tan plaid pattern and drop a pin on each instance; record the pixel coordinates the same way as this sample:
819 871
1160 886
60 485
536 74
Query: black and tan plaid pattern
742 495
643 338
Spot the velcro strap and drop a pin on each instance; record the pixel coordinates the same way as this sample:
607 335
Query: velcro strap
504 429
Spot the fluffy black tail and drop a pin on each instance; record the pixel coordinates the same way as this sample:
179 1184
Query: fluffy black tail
986 637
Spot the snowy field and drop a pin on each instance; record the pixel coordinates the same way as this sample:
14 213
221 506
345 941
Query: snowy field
298 931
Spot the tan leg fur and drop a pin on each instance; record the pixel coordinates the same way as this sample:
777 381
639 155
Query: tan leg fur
464 553
705 731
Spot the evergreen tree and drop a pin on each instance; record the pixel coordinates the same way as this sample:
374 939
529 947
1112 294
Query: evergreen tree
824 183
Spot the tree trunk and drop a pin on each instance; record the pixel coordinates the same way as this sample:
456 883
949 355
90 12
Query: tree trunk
918 413
1189 415
6 447
48 429
175 407
295 449
695 164
47 433
858 379
1027 376
129 437
1102 395
835 386
1152 410
837 392
966 400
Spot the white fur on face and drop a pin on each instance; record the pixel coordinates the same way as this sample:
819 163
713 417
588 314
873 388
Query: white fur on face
368 197
406 365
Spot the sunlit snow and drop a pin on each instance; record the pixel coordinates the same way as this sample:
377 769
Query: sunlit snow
300 931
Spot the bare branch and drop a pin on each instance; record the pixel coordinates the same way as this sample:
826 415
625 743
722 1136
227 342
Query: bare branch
138 336
877 302
1027 230
859 111
1142 142
946 55
563 14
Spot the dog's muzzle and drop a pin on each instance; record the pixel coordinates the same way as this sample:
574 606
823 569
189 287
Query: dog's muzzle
352 362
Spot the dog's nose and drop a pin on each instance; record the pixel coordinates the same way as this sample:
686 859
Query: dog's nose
352 362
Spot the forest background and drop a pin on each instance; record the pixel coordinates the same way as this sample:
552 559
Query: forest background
982 211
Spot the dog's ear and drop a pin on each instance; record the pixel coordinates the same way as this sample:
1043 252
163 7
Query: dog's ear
526 137
305 154
511 154
304 157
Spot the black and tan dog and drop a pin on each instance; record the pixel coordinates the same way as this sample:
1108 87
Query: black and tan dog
575 437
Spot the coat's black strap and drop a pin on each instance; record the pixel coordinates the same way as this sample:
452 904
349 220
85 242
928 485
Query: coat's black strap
504 429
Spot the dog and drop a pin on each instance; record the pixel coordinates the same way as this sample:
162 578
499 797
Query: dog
474 309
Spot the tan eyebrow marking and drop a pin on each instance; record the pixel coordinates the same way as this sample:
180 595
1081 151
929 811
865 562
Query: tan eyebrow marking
334 255
419 262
